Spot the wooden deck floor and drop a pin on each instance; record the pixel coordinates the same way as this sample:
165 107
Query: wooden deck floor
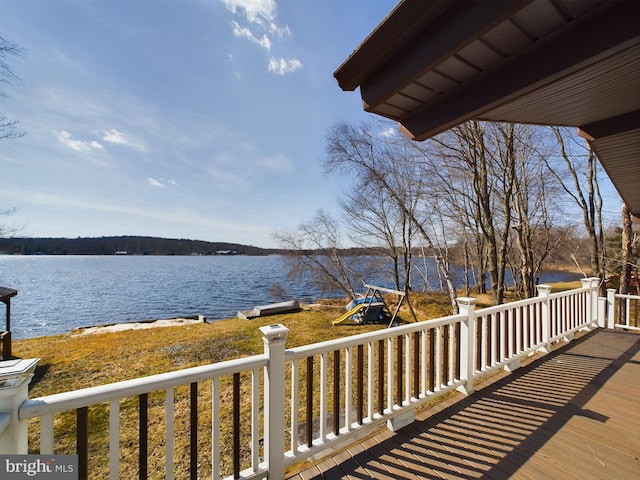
572 414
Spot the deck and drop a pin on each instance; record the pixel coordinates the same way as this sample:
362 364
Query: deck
572 414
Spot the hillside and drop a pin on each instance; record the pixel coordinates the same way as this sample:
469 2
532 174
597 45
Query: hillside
132 245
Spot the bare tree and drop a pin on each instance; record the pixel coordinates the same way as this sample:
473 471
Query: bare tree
447 198
451 190
375 223
536 235
476 166
356 152
487 179
8 127
8 49
627 243
315 253
577 174
8 230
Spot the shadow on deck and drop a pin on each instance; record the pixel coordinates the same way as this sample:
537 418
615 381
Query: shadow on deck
572 414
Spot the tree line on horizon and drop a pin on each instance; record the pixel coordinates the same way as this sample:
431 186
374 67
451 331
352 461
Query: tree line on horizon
130 245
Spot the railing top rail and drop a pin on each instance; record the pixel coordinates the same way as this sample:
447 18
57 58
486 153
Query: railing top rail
528 301
362 338
568 293
628 296
506 306
94 395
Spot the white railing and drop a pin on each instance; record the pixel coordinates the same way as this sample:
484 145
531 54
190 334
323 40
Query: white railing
624 310
115 394
303 401
365 380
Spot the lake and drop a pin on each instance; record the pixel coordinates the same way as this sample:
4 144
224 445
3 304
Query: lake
59 293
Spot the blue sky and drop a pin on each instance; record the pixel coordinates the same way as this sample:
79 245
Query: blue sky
200 119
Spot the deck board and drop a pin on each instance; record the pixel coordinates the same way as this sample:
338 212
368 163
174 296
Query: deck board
570 414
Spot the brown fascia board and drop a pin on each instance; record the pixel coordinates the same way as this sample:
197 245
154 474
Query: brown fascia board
415 18
588 39
396 30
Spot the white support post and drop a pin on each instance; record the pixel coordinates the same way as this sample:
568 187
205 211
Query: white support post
274 338
611 307
466 306
586 283
602 312
543 292
15 376
592 299
595 290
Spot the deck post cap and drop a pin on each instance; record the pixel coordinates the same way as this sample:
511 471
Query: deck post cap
274 332
14 372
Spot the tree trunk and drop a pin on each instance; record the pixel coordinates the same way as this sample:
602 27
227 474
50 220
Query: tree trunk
627 250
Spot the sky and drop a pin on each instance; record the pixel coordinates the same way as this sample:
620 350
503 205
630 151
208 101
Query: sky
198 119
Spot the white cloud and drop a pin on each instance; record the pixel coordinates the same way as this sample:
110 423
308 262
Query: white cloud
114 136
261 15
241 32
278 30
255 11
155 183
282 66
78 145
118 138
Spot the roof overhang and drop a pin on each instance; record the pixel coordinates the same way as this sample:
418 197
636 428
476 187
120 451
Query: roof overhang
433 65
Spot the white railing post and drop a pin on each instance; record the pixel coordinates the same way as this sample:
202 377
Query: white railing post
586 283
466 306
15 376
543 292
611 307
592 298
595 295
602 312
274 338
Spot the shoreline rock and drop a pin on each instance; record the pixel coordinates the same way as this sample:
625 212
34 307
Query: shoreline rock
145 324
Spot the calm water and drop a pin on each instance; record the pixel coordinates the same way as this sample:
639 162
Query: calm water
59 293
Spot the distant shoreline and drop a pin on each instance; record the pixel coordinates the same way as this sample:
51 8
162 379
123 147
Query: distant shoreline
125 245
